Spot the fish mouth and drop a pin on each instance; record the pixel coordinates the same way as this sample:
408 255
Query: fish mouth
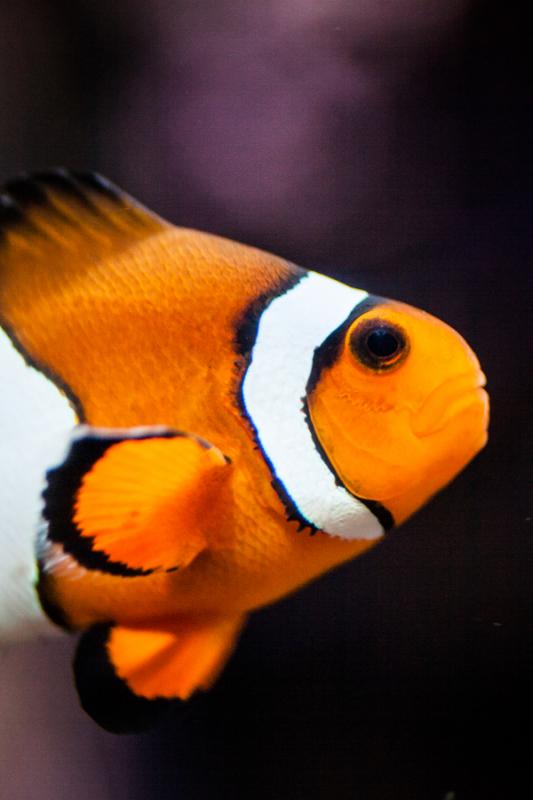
457 397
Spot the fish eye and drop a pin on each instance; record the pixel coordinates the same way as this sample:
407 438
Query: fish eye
378 345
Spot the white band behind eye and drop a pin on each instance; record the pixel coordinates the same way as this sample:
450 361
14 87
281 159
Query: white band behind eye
289 331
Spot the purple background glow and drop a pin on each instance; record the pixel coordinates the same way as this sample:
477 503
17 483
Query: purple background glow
387 143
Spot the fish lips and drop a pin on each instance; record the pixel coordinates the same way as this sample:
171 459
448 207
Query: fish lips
458 397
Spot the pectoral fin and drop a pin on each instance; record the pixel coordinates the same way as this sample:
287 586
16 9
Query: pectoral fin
128 676
129 502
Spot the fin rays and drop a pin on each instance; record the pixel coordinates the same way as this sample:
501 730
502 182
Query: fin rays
104 696
61 207
127 678
115 488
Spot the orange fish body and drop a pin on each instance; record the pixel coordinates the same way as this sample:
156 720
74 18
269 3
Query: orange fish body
241 426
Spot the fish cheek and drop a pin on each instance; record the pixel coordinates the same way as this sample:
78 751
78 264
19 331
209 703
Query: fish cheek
364 431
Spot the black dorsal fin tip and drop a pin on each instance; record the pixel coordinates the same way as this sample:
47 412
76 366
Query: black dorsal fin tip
97 183
12 217
25 191
80 184
107 698
99 187
25 196
60 197
10 212
65 183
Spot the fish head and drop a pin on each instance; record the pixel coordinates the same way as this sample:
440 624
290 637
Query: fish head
399 409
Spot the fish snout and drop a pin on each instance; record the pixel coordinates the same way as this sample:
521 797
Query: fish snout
460 398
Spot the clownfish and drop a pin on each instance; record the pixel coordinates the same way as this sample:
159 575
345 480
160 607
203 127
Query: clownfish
192 428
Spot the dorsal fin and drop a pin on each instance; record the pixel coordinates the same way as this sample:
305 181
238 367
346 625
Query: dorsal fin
59 221
57 229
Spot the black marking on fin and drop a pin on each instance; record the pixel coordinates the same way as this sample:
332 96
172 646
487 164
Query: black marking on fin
328 352
382 514
80 187
79 195
25 191
97 183
79 190
63 484
44 370
10 213
104 696
32 191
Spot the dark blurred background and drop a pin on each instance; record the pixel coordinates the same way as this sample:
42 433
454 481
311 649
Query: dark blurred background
387 143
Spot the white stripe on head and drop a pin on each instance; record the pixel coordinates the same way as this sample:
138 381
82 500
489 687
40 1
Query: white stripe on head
35 422
289 331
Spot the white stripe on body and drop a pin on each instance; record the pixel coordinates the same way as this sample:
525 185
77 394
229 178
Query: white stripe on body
36 421
289 331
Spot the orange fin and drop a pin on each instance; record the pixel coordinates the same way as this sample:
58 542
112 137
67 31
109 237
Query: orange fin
58 231
65 220
133 501
127 677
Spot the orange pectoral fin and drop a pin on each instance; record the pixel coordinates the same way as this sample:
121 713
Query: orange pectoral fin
127 677
134 501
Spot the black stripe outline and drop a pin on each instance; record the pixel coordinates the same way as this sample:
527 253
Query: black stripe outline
328 352
63 484
104 696
325 356
382 514
248 323
245 338
48 373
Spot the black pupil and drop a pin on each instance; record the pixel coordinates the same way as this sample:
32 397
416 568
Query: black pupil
382 343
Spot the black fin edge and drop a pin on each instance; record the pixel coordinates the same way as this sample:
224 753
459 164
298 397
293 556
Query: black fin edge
83 188
104 696
30 188
63 484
